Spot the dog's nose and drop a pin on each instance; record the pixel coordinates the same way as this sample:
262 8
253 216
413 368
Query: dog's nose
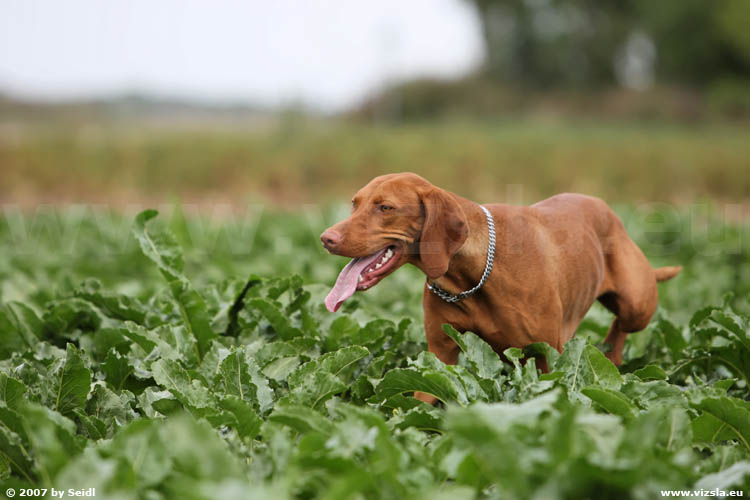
331 239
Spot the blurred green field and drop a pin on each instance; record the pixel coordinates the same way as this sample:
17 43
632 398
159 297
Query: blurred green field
294 160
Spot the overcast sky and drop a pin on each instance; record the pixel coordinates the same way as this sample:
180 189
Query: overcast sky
326 53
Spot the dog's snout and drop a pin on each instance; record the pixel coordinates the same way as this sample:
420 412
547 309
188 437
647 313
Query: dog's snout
331 239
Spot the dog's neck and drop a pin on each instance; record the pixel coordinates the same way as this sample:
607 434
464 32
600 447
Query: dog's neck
466 266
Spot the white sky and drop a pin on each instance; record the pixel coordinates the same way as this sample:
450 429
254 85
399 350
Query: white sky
328 53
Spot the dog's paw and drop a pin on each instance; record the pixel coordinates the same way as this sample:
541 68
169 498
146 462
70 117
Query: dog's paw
427 398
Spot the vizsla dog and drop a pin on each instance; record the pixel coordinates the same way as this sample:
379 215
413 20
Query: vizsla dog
547 265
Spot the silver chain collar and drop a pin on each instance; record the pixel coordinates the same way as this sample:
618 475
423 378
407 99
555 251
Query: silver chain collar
449 297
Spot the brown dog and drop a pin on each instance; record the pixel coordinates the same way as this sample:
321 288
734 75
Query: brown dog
551 262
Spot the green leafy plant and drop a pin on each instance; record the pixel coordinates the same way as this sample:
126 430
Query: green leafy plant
249 388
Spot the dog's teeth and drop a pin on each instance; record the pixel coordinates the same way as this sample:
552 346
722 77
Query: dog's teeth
378 265
360 279
388 253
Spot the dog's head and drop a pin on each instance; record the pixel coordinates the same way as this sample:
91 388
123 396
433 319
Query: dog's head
396 218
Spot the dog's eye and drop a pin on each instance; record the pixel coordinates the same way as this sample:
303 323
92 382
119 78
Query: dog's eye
385 208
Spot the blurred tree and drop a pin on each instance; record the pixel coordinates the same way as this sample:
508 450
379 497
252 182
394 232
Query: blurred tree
546 43
549 43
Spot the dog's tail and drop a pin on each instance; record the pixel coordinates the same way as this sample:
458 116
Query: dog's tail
666 273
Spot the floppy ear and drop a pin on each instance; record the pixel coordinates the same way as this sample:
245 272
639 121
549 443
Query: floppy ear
444 231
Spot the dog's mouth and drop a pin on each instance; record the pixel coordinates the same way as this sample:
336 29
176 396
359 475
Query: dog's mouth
363 273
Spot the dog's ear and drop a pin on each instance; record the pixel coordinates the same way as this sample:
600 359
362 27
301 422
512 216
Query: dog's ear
444 231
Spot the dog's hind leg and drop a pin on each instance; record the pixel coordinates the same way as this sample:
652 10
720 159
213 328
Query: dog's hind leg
616 339
630 317
630 294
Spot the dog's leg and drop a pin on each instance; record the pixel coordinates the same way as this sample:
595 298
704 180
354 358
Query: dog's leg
630 293
615 338
541 363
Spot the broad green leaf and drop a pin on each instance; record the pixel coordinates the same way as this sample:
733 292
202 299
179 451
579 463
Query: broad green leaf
332 362
141 336
190 392
735 358
141 445
400 381
72 381
205 456
116 368
611 400
676 429
467 385
378 333
651 372
270 352
177 338
114 409
248 422
483 360
653 393
734 324
341 331
154 402
701 314
542 349
237 381
94 427
337 361
724 385
110 477
709 429
26 322
263 396
161 248
52 440
301 419
233 328
64 317
583 365
525 382
116 306
13 337
501 417
493 433
672 337
277 319
281 368
12 391
734 478
733 413
13 451
315 389
602 371
420 417
149 340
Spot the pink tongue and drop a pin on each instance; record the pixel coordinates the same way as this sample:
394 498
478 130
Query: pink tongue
346 283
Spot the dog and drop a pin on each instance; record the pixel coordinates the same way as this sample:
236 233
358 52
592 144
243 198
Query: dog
513 275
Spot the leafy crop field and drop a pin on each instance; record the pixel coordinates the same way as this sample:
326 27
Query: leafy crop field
192 357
